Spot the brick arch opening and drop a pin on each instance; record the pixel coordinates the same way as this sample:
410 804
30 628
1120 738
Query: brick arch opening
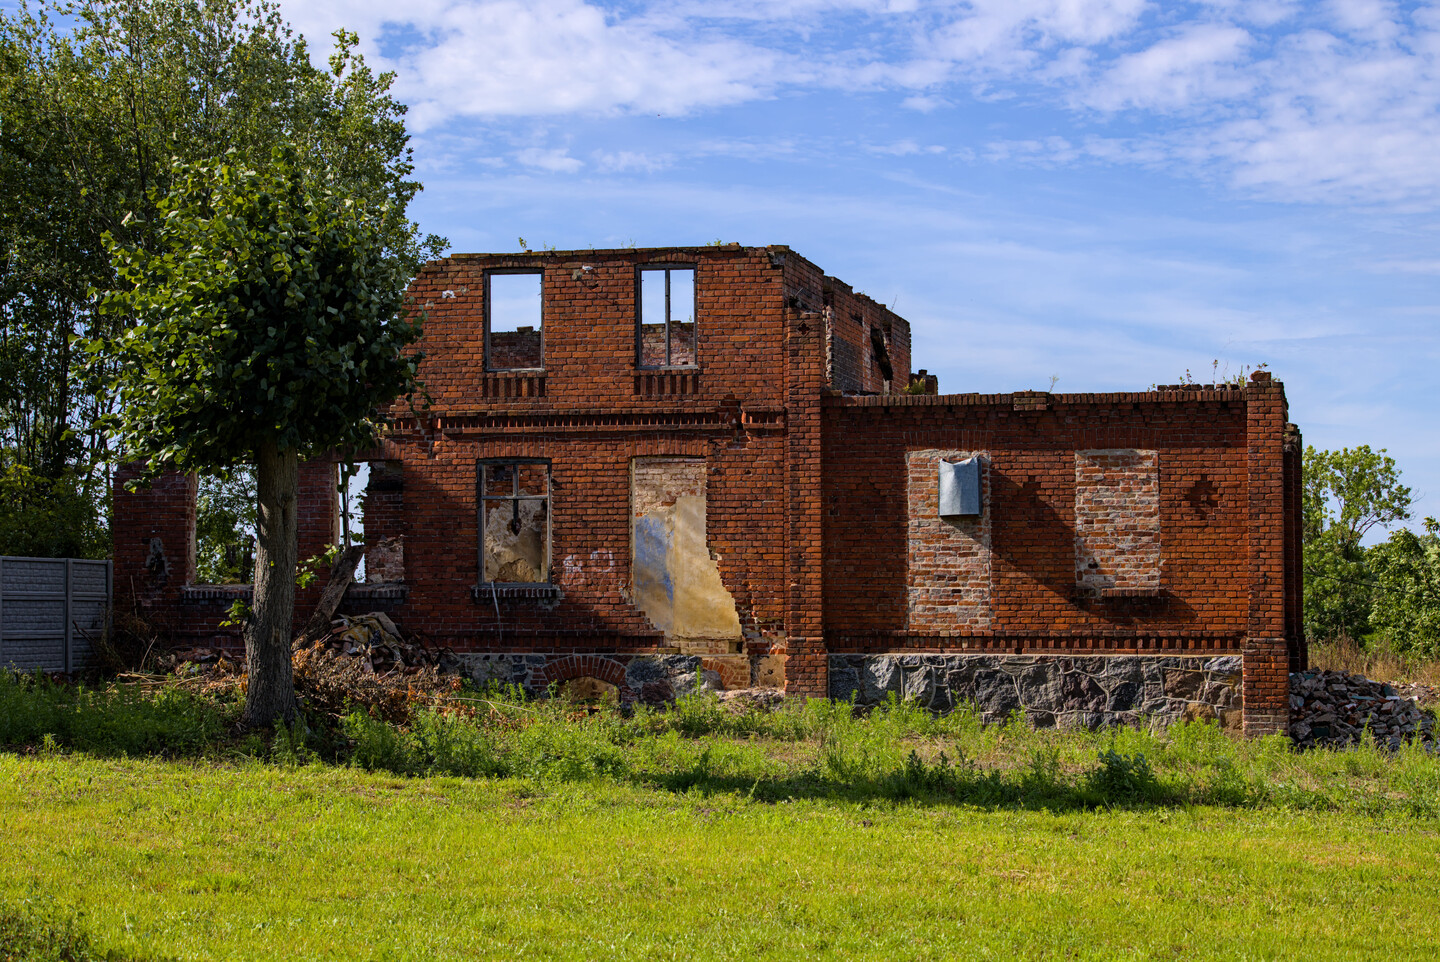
573 667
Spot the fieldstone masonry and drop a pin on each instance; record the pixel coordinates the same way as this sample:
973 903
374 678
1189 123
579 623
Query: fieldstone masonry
1087 691
652 679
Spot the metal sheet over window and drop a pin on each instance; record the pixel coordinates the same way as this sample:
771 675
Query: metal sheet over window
959 487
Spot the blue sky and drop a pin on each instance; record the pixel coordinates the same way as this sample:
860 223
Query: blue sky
1108 192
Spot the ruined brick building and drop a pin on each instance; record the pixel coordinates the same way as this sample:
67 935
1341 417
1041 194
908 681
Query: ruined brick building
640 464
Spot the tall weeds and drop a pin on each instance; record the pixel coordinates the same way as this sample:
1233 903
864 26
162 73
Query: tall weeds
895 753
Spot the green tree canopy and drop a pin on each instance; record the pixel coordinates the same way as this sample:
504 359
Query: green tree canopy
96 99
269 315
1346 494
1405 610
265 325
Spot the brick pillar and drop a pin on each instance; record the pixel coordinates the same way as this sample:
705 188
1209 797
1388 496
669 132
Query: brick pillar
806 660
318 524
318 511
1266 686
152 531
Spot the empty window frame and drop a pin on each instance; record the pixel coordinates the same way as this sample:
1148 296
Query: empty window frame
514 309
665 328
514 521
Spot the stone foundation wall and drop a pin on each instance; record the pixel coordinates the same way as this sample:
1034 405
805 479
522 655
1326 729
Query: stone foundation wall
1086 691
652 679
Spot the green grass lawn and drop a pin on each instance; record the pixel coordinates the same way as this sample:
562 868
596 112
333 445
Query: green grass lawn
200 859
493 827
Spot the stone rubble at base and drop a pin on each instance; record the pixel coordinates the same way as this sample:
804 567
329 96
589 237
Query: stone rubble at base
1334 708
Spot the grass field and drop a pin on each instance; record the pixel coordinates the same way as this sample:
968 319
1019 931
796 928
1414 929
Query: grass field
198 860
510 830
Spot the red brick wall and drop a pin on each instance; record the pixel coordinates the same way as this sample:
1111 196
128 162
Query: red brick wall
1267 648
852 363
1117 520
165 509
1203 441
594 413
810 495
153 534
947 574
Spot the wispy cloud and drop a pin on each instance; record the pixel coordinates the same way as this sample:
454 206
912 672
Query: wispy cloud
1331 102
552 159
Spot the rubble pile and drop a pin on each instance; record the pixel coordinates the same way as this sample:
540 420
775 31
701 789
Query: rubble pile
741 700
1334 708
362 661
365 662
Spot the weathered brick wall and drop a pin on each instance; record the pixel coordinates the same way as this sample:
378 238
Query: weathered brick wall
806 661
819 507
1267 650
947 577
1201 442
1117 520
153 536
853 363
152 529
591 413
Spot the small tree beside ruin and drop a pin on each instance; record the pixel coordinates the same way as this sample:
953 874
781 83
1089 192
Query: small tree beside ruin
266 326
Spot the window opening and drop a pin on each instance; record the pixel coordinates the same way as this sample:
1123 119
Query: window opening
225 527
514 521
514 308
667 317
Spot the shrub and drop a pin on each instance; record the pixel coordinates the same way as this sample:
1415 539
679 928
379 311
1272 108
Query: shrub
1123 779
114 720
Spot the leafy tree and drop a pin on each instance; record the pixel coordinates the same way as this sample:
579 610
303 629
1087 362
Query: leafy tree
267 326
96 98
48 517
225 527
1348 492
1345 495
1406 606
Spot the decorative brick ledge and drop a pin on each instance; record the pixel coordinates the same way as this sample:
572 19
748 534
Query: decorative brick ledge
224 594
483 593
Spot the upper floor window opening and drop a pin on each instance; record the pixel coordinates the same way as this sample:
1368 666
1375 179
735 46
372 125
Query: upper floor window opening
665 335
514 313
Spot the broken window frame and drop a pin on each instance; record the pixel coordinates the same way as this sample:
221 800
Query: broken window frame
640 272
482 465
489 352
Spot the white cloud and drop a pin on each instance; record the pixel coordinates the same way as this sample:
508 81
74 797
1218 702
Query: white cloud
925 103
623 161
1331 102
905 148
500 58
552 159
1197 66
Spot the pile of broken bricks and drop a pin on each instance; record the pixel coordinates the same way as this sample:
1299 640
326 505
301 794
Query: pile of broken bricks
1335 709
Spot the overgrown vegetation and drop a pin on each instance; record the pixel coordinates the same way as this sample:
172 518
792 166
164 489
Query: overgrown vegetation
98 98
1383 597
30 933
225 527
814 749
49 517
490 825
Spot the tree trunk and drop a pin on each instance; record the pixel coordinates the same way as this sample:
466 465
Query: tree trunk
271 694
